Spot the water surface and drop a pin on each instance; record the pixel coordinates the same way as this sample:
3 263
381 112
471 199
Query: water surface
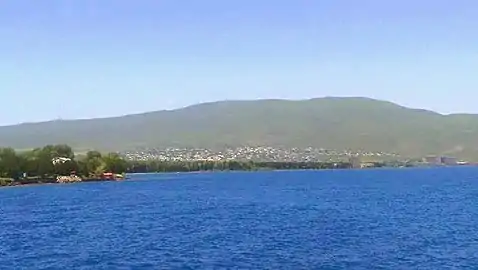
366 219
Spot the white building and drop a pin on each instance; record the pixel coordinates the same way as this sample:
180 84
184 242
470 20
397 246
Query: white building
60 160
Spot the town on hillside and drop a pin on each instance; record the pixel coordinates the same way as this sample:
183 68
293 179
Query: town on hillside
278 154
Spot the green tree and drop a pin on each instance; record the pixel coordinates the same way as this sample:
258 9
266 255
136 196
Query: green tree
114 163
9 163
82 168
63 150
29 162
94 163
93 155
45 164
66 168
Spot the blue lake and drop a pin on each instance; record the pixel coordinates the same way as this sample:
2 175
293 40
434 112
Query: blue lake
364 219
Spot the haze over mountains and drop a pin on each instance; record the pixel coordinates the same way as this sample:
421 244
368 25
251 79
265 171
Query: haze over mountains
331 123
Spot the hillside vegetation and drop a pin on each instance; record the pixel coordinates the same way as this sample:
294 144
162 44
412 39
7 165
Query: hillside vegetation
334 123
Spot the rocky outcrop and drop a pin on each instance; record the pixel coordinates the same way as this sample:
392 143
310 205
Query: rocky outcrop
68 179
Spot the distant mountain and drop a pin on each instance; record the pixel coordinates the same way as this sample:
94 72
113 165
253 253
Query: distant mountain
334 123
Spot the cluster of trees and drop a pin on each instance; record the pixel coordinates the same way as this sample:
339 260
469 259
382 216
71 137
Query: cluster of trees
40 163
191 166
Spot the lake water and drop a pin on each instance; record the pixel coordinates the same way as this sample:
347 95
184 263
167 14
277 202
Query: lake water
366 219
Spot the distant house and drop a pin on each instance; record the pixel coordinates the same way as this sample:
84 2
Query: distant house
449 161
355 162
60 160
441 160
433 160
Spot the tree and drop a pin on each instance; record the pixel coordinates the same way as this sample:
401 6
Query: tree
92 155
66 168
9 163
82 169
94 162
54 160
114 163
29 162
63 150
44 161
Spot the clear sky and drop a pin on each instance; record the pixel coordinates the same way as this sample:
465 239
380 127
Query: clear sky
91 58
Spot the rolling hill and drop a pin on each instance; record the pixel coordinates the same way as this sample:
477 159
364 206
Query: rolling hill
334 123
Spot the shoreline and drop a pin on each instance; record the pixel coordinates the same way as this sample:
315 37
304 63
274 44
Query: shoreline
89 180
54 182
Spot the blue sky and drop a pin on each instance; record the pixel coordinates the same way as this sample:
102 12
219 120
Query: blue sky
89 58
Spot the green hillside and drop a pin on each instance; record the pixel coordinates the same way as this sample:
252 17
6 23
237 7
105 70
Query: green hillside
334 123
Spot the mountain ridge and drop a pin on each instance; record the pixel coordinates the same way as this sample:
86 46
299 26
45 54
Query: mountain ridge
234 101
355 123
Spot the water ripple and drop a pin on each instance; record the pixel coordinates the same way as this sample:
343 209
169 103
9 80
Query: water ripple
377 219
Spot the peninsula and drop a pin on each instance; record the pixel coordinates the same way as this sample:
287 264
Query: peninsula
58 164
